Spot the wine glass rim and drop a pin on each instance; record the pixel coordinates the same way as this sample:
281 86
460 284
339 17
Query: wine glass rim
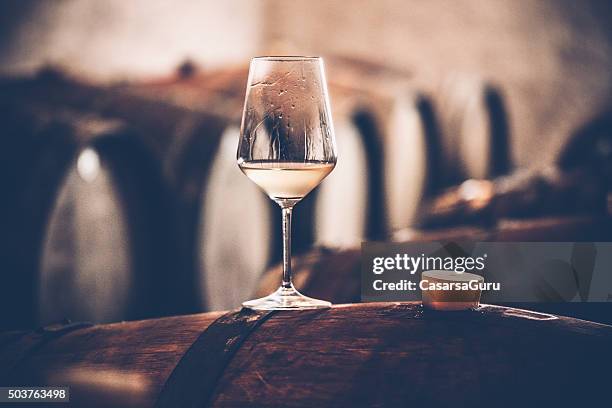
286 58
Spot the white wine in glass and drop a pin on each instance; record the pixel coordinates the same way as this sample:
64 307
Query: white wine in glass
287 147
286 181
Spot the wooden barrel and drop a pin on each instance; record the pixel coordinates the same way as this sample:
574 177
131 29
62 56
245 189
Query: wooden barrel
236 239
359 172
226 225
399 136
390 106
590 146
386 133
86 229
37 153
193 148
227 202
221 219
533 193
412 158
474 129
338 221
379 354
105 248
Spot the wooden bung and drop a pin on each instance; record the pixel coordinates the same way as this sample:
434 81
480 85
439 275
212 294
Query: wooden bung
441 293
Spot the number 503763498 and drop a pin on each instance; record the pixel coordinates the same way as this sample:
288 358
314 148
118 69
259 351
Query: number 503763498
34 394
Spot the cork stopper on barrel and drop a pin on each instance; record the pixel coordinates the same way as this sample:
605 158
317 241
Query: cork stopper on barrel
450 290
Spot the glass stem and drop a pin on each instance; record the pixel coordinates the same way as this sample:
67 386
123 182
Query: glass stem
287 247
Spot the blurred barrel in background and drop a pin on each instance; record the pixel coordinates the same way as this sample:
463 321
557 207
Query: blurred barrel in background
228 231
391 105
147 201
412 161
105 248
38 151
474 130
340 221
380 354
325 216
235 236
590 147
175 203
85 232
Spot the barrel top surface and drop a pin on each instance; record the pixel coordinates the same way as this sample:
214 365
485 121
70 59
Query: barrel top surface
393 354
371 354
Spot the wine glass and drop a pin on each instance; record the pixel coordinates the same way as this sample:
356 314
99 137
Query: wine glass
287 147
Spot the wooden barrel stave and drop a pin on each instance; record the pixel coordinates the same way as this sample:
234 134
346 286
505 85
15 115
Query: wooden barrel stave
380 354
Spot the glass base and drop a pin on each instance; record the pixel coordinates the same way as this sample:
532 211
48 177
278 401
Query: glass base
286 299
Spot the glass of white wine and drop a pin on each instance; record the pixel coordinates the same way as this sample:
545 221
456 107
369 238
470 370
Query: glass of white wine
287 147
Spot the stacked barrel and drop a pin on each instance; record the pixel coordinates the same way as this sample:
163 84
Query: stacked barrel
124 201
